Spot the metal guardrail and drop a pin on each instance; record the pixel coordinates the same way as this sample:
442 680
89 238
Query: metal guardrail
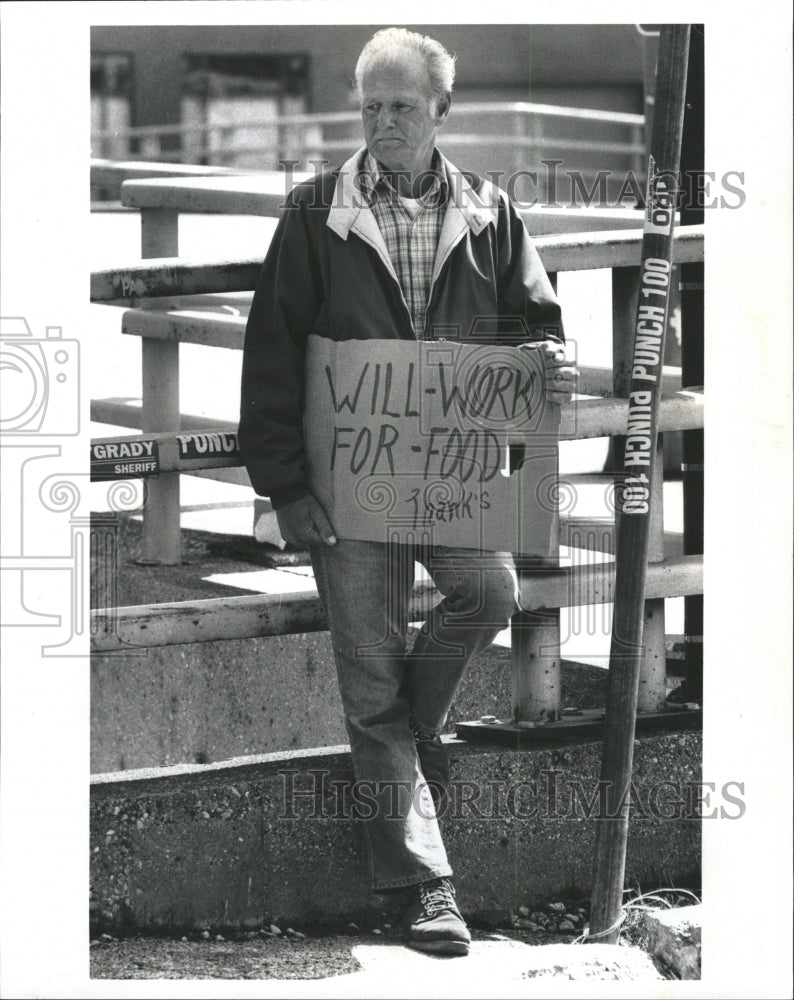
465 109
305 136
180 276
216 447
107 176
286 614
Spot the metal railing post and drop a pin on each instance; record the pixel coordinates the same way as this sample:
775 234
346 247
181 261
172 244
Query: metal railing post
535 644
653 673
535 661
160 403
637 137
522 135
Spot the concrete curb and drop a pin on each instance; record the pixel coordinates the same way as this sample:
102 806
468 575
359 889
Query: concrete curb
674 939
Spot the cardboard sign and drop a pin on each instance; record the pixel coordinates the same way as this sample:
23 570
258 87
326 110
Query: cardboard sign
407 441
124 459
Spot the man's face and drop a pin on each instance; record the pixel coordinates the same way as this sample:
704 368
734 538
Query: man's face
401 115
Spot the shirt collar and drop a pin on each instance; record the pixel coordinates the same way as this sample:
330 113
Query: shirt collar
374 182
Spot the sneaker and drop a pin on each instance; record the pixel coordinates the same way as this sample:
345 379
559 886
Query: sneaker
433 922
433 760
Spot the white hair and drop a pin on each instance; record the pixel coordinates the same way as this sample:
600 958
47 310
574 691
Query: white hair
388 44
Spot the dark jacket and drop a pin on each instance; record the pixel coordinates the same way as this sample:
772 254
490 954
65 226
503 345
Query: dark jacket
327 272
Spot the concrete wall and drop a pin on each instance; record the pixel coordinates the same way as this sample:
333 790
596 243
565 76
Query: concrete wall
211 701
215 700
225 846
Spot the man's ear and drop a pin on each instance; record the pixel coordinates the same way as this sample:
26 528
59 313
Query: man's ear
442 108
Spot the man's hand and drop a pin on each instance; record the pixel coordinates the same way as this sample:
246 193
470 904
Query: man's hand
561 375
303 522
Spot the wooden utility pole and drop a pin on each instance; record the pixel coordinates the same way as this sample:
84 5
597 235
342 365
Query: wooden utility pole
692 357
635 495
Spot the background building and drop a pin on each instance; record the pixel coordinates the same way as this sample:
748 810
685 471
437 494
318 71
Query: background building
218 95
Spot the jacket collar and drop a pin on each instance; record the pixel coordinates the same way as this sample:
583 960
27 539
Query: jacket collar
374 182
465 208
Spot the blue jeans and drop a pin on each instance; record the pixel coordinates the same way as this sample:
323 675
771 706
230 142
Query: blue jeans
386 693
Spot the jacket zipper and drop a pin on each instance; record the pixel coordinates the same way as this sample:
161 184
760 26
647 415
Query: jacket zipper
394 281
432 295
441 270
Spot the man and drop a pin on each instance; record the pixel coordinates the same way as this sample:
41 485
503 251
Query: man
395 244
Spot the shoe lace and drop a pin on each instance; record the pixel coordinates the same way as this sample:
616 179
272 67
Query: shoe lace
437 895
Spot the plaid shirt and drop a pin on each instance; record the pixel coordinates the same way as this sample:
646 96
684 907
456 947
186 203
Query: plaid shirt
410 240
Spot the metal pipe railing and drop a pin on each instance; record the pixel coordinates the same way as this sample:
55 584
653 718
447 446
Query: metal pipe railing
262 615
309 136
523 108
